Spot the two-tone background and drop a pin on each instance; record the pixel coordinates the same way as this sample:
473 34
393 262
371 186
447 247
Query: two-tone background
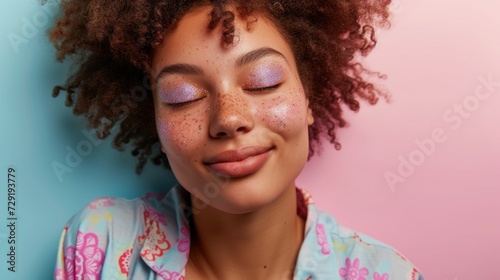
421 173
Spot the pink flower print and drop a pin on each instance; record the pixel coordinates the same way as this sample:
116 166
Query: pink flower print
377 276
102 202
59 275
322 241
167 275
85 261
352 271
183 245
154 241
124 261
154 216
185 231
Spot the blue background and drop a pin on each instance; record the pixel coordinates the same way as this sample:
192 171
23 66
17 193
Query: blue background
37 130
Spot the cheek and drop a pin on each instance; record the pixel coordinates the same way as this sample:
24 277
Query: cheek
179 133
287 112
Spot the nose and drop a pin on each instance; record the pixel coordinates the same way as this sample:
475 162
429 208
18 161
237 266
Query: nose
230 115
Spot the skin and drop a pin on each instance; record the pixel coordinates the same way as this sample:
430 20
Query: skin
245 99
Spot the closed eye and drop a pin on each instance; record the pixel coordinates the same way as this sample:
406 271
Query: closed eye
182 104
263 88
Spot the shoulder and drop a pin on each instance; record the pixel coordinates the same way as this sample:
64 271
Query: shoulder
107 218
364 254
103 234
104 213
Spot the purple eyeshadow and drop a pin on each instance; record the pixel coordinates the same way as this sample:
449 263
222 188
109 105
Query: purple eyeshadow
266 76
178 94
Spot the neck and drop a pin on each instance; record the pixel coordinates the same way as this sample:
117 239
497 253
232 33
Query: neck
263 244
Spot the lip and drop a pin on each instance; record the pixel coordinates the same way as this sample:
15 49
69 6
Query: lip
240 162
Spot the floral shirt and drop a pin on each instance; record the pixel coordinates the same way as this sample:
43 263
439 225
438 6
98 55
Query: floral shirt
148 238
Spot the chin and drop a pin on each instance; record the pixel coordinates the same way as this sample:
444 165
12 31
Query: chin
243 199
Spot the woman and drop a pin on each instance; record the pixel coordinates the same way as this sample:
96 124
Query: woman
238 91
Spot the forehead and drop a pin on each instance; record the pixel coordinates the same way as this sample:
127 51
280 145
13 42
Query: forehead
193 42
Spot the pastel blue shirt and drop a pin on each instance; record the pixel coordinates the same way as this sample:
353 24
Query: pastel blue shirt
148 238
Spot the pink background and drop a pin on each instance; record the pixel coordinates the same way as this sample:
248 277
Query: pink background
444 217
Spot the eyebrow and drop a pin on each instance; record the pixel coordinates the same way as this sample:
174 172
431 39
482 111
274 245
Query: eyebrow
256 55
190 69
180 68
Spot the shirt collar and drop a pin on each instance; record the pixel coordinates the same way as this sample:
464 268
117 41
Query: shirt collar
315 254
166 242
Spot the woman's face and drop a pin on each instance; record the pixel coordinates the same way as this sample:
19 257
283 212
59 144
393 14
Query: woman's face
232 121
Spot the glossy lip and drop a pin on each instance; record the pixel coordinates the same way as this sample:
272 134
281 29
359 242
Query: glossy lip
240 162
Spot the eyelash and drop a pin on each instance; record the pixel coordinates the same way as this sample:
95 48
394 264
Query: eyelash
263 88
181 104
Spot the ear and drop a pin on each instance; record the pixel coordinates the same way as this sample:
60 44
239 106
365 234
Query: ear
310 116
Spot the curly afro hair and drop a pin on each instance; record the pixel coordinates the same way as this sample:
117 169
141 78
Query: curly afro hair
112 43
